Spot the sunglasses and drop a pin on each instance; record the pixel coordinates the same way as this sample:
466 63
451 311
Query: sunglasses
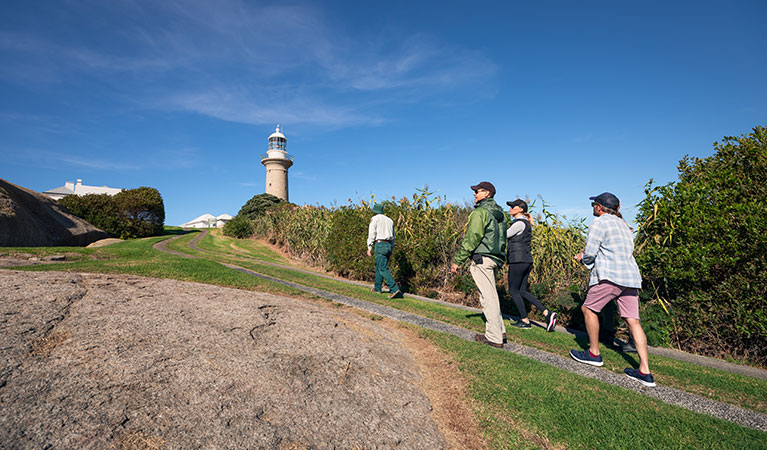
594 204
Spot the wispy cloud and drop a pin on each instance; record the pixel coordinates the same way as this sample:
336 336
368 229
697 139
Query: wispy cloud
161 159
243 62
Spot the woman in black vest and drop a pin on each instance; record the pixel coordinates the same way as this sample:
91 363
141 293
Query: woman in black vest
520 260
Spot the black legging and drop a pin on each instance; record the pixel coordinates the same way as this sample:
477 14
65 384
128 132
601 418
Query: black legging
518 285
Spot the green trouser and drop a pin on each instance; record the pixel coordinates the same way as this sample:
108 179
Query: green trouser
383 253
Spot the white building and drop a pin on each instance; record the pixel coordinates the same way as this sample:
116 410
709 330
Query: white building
208 221
79 189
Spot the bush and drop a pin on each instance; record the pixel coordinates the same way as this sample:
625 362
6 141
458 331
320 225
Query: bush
239 227
141 212
701 248
258 205
346 244
132 213
428 234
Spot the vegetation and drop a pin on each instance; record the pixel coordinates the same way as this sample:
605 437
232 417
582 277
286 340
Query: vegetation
132 213
428 234
239 227
701 248
258 205
522 403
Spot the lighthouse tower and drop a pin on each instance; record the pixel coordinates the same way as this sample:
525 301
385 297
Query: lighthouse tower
277 162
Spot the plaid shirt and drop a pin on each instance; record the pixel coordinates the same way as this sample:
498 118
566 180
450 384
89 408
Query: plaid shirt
609 252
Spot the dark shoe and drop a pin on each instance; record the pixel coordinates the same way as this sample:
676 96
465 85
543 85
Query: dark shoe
481 338
396 294
520 324
628 347
551 321
504 338
645 379
586 358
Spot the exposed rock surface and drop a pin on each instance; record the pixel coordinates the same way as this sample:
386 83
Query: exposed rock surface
99 361
30 219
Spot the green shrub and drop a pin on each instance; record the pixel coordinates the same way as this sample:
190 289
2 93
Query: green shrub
347 242
132 213
258 205
239 227
141 212
701 248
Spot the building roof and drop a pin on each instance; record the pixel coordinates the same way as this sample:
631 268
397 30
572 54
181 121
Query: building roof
63 190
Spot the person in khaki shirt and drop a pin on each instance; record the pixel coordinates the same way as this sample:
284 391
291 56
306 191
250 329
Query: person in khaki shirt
381 241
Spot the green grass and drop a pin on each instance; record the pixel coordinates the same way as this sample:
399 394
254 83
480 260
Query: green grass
137 257
522 403
215 241
743 391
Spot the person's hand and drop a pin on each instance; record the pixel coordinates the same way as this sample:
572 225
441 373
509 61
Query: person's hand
578 257
368 252
454 268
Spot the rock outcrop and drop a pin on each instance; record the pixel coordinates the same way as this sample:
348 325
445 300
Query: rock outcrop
94 361
30 219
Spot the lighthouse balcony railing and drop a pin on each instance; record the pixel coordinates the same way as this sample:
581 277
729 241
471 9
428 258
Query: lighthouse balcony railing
283 155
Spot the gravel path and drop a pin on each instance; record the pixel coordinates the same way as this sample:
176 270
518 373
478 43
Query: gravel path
741 416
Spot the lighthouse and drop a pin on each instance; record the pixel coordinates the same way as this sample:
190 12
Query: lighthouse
277 162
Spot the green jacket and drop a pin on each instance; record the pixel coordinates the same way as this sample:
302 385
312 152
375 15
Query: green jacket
485 233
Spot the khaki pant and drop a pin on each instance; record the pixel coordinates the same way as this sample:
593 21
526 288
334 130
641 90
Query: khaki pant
484 277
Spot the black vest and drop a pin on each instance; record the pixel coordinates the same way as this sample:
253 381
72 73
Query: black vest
518 247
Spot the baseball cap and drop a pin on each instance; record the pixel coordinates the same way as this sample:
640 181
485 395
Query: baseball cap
607 200
518 202
486 185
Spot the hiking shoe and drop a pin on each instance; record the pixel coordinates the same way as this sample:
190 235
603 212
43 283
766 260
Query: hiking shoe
481 338
551 321
586 358
520 324
396 294
645 379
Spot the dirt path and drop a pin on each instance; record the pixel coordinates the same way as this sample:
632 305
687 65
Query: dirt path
93 361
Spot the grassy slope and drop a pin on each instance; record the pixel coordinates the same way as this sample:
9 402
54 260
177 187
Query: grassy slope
716 384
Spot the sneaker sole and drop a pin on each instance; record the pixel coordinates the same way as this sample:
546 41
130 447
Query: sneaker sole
552 325
591 363
641 381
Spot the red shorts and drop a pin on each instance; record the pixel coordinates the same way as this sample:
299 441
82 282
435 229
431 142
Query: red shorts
604 292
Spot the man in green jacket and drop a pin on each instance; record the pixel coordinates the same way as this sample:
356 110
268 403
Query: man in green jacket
485 243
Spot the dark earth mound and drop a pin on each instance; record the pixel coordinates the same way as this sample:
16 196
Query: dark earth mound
30 219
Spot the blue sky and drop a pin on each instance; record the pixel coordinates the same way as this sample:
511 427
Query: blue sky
562 100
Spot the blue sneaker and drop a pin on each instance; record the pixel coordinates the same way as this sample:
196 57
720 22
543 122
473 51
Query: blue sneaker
645 379
586 358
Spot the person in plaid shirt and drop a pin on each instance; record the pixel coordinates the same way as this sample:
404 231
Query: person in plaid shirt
609 254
